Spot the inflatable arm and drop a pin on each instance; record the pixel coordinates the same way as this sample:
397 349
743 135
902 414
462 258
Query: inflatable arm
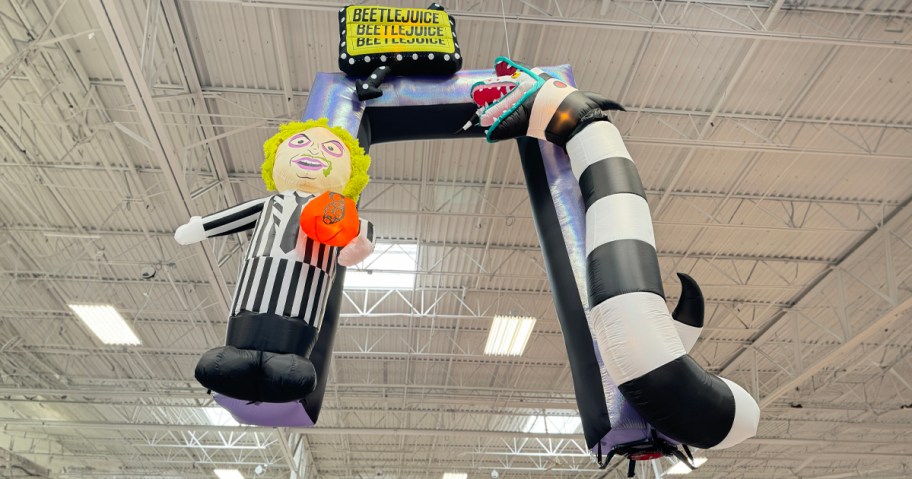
231 220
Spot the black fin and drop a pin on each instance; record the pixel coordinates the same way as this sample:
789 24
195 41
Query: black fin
690 308
603 103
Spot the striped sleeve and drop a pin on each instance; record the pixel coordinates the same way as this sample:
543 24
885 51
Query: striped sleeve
234 219
367 230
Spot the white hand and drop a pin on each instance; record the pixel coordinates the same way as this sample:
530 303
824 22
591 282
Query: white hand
356 251
192 232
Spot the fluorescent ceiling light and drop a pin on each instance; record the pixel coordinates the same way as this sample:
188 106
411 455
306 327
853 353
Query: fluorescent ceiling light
219 417
509 335
552 424
455 475
680 468
51 234
228 474
106 323
380 269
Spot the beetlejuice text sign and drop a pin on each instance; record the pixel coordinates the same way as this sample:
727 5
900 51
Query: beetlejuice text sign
408 40
382 29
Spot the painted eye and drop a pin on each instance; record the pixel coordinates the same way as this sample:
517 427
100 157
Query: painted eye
299 141
333 148
515 74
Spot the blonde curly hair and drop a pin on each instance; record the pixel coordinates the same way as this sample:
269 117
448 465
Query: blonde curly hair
360 161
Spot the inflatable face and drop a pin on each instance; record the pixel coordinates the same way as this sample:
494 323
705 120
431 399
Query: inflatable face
313 161
313 157
523 101
497 98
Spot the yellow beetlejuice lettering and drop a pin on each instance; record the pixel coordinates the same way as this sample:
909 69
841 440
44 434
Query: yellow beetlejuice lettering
372 30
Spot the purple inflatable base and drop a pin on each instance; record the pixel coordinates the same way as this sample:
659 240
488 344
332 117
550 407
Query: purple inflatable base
630 434
621 437
287 414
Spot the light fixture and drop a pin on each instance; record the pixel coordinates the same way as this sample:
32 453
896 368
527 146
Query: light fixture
219 417
107 324
509 335
552 424
680 468
455 475
390 259
228 474
53 234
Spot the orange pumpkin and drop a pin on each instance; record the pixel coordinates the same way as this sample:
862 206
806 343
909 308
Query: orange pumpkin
330 219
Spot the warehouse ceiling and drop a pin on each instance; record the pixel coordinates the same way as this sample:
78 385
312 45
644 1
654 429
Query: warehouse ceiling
773 139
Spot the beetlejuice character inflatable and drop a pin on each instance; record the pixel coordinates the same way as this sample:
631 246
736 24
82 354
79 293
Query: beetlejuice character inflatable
299 236
643 349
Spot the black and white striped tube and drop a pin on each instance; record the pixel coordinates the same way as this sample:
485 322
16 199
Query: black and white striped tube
636 335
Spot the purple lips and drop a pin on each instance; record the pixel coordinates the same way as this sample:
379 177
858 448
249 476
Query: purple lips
308 163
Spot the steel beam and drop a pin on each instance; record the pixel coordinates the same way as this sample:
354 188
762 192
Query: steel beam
832 357
609 24
189 70
120 40
648 110
93 233
414 432
855 255
237 177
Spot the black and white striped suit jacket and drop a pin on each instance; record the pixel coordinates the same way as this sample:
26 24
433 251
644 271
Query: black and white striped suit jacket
284 271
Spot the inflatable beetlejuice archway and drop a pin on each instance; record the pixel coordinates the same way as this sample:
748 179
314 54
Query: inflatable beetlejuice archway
422 108
646 351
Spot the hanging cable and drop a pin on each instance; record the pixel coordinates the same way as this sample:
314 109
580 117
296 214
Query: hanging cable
503 16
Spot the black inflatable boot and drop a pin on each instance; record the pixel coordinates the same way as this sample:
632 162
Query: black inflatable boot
265 359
